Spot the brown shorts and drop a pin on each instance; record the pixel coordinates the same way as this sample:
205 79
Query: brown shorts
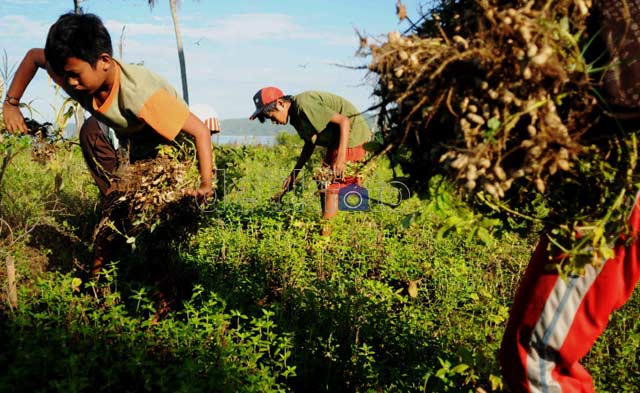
354 154
103 159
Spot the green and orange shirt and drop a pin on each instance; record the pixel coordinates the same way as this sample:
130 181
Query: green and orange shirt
310 114
138 98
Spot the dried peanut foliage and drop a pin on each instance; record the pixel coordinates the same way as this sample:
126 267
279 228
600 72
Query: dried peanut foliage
361 170
42 141
149 194
43 147
500 99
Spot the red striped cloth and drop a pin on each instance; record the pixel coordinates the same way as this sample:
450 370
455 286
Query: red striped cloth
213 124
553 323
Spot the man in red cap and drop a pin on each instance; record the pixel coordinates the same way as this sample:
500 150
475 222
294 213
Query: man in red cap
321 119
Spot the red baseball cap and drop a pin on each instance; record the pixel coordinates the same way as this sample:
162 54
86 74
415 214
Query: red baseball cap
263 97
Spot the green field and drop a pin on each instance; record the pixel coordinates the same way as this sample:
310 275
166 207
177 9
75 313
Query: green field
406 298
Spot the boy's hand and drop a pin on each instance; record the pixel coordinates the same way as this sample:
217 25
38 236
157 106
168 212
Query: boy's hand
202 193
13 120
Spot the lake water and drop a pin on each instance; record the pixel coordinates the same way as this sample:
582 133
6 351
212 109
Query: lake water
218 139
267 140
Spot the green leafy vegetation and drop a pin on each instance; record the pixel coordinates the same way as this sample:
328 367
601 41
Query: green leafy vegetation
253 299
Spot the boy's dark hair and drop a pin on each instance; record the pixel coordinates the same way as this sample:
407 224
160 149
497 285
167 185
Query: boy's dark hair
272 106
76 35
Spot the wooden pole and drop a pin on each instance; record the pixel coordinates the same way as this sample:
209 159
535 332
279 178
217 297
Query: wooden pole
11 280
183 68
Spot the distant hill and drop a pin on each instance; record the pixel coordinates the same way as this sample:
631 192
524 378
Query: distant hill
240 127
254 128
249 127
230 127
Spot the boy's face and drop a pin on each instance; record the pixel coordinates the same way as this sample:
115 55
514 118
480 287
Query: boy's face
280 115
81 76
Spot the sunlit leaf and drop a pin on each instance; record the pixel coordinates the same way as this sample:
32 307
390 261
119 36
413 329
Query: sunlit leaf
413 288
75 284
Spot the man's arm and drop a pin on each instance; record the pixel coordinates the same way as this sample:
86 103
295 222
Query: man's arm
34 59
196 128
307 151
305 154
345 128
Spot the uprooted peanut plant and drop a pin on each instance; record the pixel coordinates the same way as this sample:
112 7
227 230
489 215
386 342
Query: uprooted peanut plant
149 193
503 100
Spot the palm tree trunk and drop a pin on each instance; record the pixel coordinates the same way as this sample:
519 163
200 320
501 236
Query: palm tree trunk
78 115
183 68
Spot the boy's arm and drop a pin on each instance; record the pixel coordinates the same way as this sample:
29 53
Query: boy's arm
33 59
196 128
345 128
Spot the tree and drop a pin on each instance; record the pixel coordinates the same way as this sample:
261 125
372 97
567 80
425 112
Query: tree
183 69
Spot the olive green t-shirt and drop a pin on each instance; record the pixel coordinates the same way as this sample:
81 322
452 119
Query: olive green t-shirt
310 114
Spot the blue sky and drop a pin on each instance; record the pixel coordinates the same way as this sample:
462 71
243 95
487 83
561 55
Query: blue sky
232 48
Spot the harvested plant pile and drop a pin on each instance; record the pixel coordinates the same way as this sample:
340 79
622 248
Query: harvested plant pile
500 99
148 194
361 170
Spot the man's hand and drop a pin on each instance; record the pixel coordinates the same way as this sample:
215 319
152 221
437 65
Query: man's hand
286 186
345 128
13 120
338 166
278 197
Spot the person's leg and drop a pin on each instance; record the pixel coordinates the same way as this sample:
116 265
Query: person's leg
102 161
144 144
329 198
553 323
98 153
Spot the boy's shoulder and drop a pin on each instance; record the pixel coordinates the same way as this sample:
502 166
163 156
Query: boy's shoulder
138 72
137 80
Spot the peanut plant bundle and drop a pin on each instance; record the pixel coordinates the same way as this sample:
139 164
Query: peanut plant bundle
502 101
148 194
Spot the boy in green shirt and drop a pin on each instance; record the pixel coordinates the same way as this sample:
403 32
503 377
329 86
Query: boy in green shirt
321 119
138 104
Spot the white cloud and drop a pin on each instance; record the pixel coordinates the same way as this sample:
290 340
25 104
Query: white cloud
26 3
342 40
242 27
237 28
263 27
247 27
138 29
22 27
203 111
